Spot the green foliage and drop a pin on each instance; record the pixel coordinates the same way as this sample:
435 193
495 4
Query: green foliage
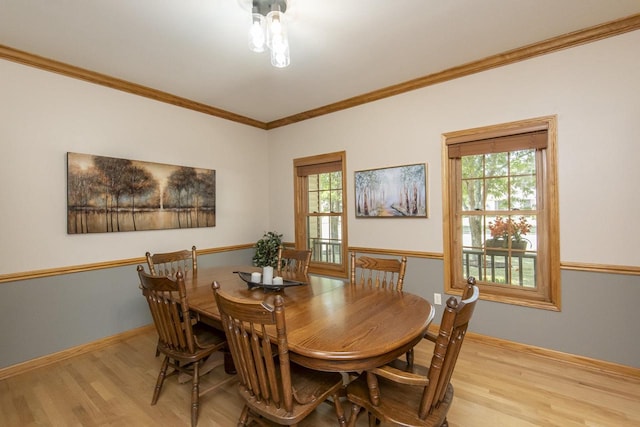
267 250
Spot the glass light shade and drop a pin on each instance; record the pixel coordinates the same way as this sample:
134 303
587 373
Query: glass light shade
280 52
275 26
257 33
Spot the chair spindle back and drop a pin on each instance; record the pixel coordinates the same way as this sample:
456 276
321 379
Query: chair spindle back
264 376
383 273
170 263
293 261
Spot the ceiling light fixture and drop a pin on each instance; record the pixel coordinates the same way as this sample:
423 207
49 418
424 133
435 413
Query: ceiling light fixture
268 29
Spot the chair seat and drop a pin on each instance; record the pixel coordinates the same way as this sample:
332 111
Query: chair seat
207 336
207 339
309 387
398 402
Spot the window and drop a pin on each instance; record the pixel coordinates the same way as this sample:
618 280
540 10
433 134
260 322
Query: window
501 212
321 220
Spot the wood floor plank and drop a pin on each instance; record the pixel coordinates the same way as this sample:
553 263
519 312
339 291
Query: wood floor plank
113 385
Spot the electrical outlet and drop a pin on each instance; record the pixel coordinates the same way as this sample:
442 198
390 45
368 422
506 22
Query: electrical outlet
437 299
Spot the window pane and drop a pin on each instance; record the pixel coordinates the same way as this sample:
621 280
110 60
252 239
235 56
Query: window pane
472 166
336 201
496 164
522 162
313 227
313 182
325 241
523 192
472 194
336 180
472 231
325 181
314 202
497 195
324 204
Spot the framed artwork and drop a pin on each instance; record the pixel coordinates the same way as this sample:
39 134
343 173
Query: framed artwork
106 194
394 192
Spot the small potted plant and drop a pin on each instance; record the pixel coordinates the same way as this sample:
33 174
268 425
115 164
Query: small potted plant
267 250
504 230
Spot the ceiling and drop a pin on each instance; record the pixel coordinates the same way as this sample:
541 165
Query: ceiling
197 49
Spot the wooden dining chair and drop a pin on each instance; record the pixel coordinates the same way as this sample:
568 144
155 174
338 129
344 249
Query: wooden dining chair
273 388
467 292
184 342
293 261
417 395
169 263
387 273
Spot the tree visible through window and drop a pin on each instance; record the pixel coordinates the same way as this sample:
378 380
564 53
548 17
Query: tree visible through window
502 212
320 214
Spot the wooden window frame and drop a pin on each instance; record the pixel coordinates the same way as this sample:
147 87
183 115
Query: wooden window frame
548 273
303 167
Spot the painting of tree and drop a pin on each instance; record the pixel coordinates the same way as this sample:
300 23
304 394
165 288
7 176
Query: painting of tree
106 194
391 192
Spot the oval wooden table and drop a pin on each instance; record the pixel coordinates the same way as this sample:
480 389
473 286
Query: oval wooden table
331 325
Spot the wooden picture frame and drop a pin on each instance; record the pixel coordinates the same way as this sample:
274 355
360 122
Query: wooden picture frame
393 192
106 194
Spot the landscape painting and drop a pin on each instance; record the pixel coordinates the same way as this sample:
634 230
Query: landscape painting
106 194
392 192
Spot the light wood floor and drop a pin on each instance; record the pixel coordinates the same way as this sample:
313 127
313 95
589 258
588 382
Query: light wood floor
493 387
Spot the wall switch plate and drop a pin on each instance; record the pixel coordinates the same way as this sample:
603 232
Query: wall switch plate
437 299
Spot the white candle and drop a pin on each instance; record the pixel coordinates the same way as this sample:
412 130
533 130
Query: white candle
256 277
267 275
277 280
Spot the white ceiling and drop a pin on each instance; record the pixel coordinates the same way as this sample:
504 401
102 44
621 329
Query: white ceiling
197 49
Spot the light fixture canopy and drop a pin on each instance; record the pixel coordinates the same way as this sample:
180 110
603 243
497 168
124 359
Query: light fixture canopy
268 28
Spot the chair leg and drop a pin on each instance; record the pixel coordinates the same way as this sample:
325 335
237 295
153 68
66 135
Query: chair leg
244 417
160 380
355 410
339 410
195 394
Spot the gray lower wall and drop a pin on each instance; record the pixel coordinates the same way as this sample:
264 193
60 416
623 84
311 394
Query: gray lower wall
44 316
599 315
47 315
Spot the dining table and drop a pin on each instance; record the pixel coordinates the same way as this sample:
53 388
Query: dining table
331 325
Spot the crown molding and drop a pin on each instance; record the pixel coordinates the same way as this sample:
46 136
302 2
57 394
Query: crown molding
587 35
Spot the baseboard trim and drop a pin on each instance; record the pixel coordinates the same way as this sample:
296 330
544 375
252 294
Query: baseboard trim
582 361
49 359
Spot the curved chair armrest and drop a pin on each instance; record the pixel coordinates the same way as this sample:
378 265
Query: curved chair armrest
400 376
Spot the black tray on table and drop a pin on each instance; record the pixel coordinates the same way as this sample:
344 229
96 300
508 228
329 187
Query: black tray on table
285 283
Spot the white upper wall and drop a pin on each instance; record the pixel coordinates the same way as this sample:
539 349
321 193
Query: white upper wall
593 89
44 115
